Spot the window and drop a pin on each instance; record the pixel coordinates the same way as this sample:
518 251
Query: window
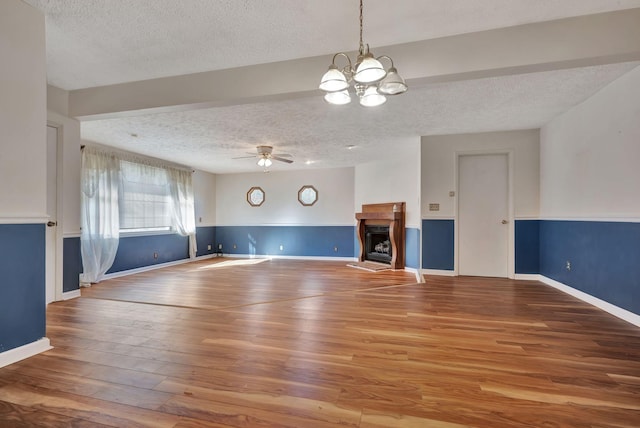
144 200
307 195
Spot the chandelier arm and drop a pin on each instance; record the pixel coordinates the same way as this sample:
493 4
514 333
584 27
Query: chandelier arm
347 69
387 58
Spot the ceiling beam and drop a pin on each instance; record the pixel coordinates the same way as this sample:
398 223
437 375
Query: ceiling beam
604 38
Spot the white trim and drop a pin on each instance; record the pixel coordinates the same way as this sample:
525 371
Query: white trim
526 217
25 351
206 256
594 219
417 273
24 220
73 294
443 217
270 256
439 272
605 306
71 235
286 225
59 217
124 234
528 277
147 268
205 225
154 267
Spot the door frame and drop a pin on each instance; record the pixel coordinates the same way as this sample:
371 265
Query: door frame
59 235
511 215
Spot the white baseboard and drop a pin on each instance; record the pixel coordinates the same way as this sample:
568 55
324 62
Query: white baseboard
210 256
73 294
154 267
528 277
438 272
25 351
269 256
605 306
417 273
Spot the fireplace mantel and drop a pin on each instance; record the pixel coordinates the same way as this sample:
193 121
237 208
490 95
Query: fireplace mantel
390 214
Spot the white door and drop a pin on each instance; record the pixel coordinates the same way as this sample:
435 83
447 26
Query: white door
483 213
52 210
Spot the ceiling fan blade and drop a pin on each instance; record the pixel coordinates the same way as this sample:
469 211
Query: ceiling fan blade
244 157
278 158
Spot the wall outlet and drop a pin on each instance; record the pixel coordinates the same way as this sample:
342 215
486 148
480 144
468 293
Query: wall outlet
220 247
281 247
155 255
434 207
335 249
568 266
209 247
235 246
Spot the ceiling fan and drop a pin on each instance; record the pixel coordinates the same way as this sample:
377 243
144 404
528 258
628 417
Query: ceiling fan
265 156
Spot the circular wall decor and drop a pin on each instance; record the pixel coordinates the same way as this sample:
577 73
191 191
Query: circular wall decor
307 195
255 196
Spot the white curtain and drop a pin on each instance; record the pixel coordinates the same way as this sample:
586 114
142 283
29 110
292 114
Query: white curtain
183 209
99 213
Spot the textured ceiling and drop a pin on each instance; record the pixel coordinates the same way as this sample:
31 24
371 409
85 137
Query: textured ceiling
310 130
96 42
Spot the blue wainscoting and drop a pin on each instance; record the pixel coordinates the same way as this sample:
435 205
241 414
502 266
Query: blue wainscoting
527 246
305 241
438 244
22 284
604 257
206 236
412 248
72 264
138 251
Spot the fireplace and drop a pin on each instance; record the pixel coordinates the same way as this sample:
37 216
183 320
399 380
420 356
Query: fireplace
377 245
381 233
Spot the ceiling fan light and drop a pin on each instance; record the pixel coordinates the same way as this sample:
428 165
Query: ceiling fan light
261 161
392 84
333 80
369 70
338 98
267 163
372 98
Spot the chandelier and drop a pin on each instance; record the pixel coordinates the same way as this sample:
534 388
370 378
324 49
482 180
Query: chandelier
369 78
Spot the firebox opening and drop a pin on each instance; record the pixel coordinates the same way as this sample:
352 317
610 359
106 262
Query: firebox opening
377 244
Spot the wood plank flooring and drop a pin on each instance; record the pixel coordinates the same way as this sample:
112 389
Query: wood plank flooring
289 343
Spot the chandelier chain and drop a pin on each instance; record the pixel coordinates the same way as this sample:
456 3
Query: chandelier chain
361 44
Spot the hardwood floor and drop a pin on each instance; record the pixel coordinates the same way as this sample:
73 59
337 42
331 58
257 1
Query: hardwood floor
288 343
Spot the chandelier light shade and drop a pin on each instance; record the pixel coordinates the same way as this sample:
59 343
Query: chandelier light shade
371 81
264 162
338 98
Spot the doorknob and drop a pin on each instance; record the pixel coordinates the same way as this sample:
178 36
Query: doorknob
505 221
52 223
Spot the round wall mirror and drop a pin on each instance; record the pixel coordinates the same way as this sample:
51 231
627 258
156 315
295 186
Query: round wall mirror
307 195
255 196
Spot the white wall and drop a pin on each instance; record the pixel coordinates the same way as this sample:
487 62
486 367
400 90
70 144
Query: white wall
23 113
335 206
439 168
392 180
204 189
590 156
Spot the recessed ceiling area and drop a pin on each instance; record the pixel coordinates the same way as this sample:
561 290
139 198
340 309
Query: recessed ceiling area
93 43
